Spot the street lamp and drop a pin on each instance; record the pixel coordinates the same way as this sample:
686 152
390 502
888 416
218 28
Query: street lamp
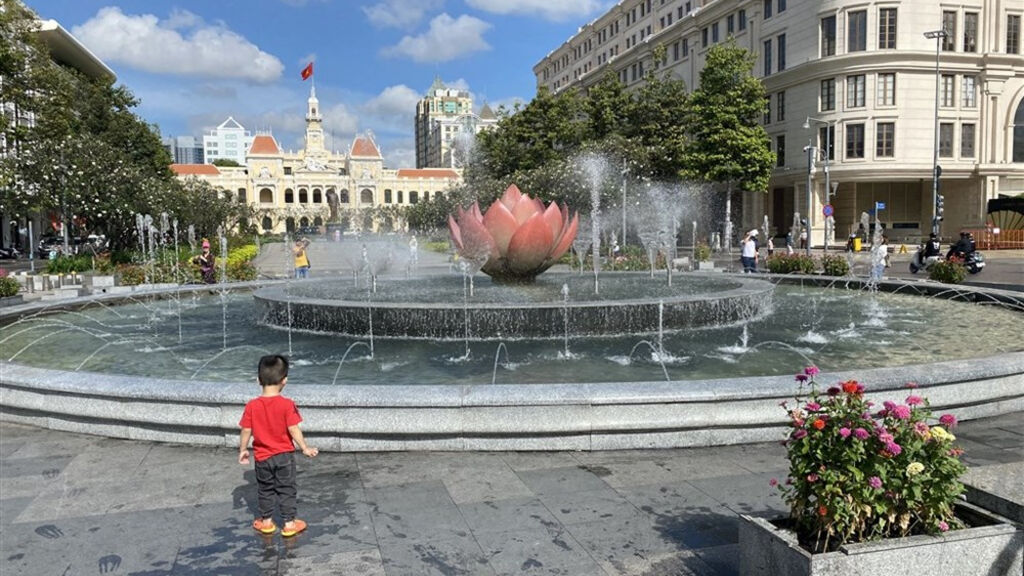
937 35
828 150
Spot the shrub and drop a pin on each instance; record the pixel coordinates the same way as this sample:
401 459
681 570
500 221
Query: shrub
790 264
440 246
856 476
239 271
703 252
68 264
8 286
131 274
242 254
950 271
834 265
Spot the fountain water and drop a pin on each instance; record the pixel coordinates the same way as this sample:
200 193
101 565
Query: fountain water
345 357
497 355
594 168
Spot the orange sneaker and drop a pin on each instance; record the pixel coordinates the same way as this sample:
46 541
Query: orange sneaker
264 526
292 528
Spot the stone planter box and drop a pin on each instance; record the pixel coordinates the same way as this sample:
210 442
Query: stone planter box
12 300
993 546
706 265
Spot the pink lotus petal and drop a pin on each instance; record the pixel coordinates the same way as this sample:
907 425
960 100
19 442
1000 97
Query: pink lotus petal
500 222
525 208
530 245
476 240
475 211
553 216
511 196
453 227
567 238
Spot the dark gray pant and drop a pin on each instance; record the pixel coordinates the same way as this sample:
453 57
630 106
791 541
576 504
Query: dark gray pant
275 483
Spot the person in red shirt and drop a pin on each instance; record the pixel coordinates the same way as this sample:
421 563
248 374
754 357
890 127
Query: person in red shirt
271 421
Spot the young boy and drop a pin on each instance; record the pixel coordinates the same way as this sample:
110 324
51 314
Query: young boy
272 422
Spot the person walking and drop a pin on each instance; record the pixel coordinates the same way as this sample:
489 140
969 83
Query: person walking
748 252
271 421
301 258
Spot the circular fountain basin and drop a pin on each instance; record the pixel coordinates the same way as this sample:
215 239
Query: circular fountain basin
440 307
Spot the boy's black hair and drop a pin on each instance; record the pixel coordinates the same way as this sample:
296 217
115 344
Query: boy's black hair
273 369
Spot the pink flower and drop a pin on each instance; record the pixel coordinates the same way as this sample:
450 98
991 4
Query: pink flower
943 526
921 429
885 437
801 378
811 370
948 420
882 413
834 391
911 385
844 432
773 482
861 434
914 400
893 448
798 434
875 482
813 406
901 412
889 405
812 478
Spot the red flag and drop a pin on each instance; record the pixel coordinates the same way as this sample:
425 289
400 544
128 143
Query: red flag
307 71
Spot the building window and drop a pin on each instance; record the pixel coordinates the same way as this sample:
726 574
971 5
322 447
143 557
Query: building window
968 92
827 140
828 36
414 197
967 140
885 136
887 29
387 196
1018 133
857 31
289 196
287 170
970 32
782 6
886 86
946 140
780 106
946 90
854 140
730 24
714 33
767 9
780 150
686 47
742 20
1012 34
767 57
949 25
675 51
704 37
781 41
855 91
828 94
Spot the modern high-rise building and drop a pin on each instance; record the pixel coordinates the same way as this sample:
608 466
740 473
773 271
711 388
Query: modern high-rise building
867 84
184 149
445 121
230 141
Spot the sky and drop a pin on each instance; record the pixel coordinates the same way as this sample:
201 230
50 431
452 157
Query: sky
193 63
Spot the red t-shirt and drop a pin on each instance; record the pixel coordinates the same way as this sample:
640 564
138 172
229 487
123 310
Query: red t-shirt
269 418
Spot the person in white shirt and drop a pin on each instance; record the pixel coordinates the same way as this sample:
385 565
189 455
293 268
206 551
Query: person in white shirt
748 254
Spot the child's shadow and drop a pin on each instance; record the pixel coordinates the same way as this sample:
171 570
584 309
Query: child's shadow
244 495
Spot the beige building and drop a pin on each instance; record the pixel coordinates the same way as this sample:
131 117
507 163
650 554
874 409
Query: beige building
865 74
315 186
446 124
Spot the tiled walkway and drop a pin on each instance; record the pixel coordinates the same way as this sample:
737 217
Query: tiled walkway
72 504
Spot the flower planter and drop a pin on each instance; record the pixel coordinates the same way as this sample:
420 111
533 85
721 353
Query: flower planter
706 265
992 546
12 300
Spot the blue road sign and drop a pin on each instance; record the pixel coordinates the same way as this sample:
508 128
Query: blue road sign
827 210
879 205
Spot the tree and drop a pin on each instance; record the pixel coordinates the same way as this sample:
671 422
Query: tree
656 125
226 163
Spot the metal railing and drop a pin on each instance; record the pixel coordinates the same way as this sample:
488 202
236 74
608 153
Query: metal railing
985 239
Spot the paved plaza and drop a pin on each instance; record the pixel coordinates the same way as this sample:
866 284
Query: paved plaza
76 504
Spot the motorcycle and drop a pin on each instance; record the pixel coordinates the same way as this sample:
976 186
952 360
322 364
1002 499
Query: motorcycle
11 253
919 262
973 261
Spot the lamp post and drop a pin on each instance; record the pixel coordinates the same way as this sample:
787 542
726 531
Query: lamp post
811 152
937 35
828 150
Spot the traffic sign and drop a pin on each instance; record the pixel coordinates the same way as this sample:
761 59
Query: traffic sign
879 205
827 210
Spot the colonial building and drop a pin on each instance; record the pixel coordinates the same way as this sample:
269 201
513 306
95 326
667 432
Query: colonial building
445 124
314 186
855 80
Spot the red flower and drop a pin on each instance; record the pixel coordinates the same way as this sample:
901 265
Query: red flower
818 424
851 387
822 510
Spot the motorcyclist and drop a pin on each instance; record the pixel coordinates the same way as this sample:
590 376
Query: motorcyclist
962 247
932 248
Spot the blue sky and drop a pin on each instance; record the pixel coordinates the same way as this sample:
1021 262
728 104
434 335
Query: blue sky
193 63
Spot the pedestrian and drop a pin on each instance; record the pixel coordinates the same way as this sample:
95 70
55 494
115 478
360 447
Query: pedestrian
789 243
301 258
271 421
207 263
748 253
850 242
771 246
803 239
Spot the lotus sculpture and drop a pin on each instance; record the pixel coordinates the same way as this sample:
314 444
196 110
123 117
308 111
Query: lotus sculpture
517 239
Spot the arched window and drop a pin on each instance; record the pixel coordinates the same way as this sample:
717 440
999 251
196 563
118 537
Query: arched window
318 197
1018 133
303 196
366 196
414 197
268 224
289 224
303 221
289 196
318 221
344 196
241 195
387 196
438 195
401 197
426 196
266 196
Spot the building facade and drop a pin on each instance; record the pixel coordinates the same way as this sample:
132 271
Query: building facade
315 186
184 149
854 81
445 125
229 141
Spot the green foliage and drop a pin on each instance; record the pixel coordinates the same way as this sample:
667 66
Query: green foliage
130 274
8 287
727 142
855 476
68 264
226 163
950 271
633 259
834 265
790 264
702 252
439 246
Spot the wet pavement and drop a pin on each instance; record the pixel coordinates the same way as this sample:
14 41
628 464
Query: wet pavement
76 504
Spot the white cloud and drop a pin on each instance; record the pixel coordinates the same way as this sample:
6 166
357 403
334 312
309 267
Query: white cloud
547 9
311 57
399 153
405 14
399 100
508 103
447 39
146 43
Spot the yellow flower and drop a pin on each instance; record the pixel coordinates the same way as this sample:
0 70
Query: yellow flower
915 468
941 434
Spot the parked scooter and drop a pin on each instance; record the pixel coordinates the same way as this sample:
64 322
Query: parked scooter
11 253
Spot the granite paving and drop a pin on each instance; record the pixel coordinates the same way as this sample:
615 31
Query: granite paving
77 504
